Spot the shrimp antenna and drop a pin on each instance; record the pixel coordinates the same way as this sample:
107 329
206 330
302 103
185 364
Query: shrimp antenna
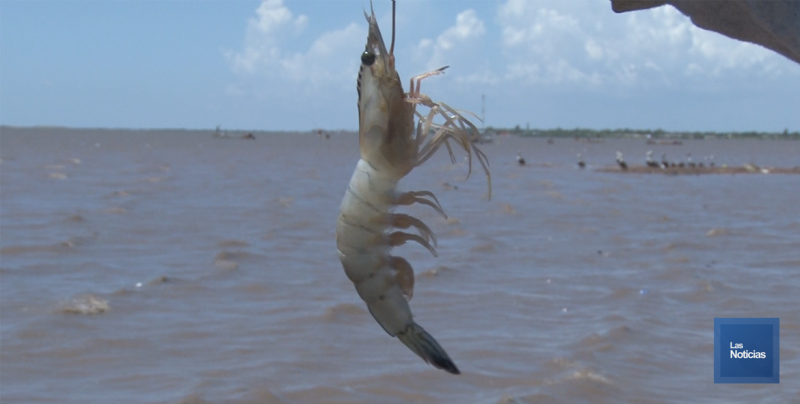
391 49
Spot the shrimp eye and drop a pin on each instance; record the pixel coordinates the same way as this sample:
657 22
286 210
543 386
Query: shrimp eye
368 58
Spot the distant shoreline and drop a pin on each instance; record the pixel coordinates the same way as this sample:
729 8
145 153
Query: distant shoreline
148 130
640 134
577 133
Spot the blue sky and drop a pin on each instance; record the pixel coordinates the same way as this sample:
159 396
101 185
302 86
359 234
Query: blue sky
292 65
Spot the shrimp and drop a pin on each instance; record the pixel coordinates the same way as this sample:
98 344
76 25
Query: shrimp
391 146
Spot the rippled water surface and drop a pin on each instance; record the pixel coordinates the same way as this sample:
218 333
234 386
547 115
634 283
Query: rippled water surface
173 267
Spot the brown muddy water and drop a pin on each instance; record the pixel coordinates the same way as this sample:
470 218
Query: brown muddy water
173 267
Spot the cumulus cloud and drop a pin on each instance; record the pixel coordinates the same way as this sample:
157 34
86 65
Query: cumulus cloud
516 51
454 40
263 56
264 31
578 43
582 43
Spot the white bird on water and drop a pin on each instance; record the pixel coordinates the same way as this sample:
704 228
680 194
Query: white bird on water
622 164
650 161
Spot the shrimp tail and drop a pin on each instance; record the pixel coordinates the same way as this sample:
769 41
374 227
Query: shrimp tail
424 345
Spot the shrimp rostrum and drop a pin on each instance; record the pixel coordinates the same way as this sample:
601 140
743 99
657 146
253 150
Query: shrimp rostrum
392 145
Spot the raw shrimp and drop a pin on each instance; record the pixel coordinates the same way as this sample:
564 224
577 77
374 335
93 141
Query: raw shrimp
391 146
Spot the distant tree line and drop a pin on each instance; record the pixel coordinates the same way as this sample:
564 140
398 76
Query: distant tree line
640 133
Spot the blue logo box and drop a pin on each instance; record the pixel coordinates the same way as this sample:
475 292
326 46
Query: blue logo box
746 350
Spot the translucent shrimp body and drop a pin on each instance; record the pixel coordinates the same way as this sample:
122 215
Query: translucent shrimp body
391 147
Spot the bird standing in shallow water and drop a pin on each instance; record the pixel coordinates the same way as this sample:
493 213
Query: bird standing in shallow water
520 159
622 164
650 161
581 163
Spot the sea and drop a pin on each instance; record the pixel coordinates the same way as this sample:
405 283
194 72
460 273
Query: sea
173 266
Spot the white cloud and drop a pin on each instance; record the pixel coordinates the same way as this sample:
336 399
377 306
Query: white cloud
517 52
593 50
722 55
468 25
582 43
263 34
264 59
273 15
323 63
457 38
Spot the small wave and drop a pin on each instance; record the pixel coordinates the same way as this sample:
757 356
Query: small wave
285 202
506 399
25 249
718 232
58 176
234 255
435 271
554 194
456 232
452 221
508 209
226 265
76 218
312 174
483 248
560 362
117 194
153 168
700 291
229 260
63 246
589 375
88 304
79 240
232 243
193 399
159 280
255 289
739 303
337 311
624 292
605 342
706 286
258 395
583 385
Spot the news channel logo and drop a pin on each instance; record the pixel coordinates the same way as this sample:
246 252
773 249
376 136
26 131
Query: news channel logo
746 350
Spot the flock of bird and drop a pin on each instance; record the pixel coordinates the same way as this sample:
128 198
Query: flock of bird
663 164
